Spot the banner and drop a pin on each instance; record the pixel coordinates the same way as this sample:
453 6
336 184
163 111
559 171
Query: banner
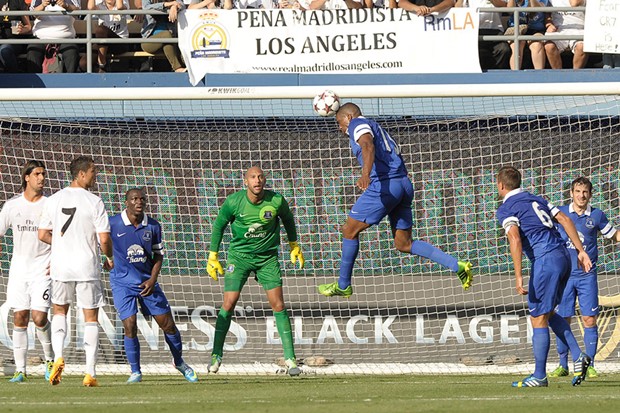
328 41
602 27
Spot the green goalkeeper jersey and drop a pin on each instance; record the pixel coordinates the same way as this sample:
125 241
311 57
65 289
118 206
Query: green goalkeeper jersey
255 227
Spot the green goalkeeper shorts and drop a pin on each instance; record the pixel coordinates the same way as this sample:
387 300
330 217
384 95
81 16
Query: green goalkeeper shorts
239 267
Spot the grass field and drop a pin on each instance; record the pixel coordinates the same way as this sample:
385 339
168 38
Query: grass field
326 394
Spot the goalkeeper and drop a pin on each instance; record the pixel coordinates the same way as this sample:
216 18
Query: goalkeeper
254 215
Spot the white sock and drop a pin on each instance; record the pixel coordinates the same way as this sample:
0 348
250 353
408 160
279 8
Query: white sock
44 334
59 333
91 346
20 348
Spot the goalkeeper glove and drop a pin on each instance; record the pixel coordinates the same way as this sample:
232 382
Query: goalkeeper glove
213 266
296 254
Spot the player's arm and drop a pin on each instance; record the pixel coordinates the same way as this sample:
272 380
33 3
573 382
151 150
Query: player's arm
569 227
45 235
516 251
224 216
291 233
157 246
368 159
105 243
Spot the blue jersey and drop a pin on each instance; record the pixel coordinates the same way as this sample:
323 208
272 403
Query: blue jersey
533 216
588 226
134 249
388 162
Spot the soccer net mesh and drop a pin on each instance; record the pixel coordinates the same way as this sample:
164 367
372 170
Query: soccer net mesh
406 314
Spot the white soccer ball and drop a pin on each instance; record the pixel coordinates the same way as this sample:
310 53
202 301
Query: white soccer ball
326 103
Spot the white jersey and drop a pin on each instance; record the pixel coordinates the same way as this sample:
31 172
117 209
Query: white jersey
75 217
30 256
115 22
567 19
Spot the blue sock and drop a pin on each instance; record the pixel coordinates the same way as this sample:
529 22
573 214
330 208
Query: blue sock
562 352
540 344
176 347
426 250
590 337
562 329
132 350
350 248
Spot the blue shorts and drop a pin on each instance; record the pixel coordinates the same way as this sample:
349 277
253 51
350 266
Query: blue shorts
584 287
391 198
548 279
126 300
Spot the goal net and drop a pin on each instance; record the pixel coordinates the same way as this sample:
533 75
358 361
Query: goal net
406 314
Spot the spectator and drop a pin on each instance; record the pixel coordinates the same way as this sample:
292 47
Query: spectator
110 26
163 27
566 23
530 24
381 4
425 7
12 27
331 4
611 61
54 28
250 4
492 55
204 4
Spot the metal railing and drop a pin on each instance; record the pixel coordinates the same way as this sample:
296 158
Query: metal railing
89 40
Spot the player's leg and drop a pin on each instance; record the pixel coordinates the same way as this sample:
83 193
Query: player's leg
126 304
18 299
62 295
41 303
270 277
156 304
587 291
20 344
90 298
238 269
566 309
401 222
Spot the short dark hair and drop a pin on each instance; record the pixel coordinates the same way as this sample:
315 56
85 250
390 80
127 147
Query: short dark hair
510 177
582 180
134 189
28 168
80 164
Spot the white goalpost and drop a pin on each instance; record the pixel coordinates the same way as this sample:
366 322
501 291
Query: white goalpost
188 147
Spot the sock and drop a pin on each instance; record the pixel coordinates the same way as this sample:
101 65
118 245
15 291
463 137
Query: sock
91 346
20 348
590 337
540 344
283 323
44 334
562 352
221 329
132 350
562 329
426 250
176 347
59 332
350 248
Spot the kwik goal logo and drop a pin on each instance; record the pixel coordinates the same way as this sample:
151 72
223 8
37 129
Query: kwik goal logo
209 38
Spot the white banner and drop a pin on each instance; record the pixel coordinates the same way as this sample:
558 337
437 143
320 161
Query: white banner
328 41
602 26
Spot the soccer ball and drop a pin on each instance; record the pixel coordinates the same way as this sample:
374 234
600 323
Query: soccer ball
326 103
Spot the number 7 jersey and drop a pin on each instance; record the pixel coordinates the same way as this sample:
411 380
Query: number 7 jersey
532 214
75 217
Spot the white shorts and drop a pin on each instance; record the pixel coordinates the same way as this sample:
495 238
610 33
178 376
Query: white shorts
89 293
565 45
33 294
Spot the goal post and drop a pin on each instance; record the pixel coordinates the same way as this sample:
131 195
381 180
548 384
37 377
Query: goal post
190 147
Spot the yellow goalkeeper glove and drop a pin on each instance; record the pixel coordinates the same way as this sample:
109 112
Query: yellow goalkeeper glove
296 254
213 266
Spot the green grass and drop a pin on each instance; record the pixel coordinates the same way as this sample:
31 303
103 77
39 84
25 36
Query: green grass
325 394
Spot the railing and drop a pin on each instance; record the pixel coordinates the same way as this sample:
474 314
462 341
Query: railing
89 40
